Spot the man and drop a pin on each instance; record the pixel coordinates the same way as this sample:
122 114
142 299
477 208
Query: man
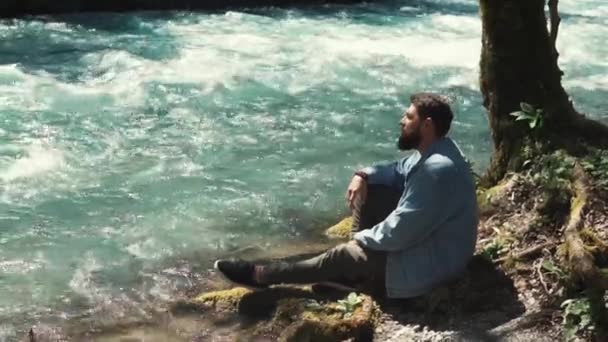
415 219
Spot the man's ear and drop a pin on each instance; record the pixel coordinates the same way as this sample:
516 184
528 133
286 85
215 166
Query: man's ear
430 125
428 122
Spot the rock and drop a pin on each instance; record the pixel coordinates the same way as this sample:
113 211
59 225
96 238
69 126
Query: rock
290 313
342 230
226 300
43 333
327 322
490 200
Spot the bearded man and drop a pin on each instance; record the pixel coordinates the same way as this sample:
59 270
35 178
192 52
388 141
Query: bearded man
415 220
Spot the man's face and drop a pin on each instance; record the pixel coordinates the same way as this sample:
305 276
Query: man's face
411 134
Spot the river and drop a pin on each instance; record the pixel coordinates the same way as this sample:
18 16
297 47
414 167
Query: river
136 147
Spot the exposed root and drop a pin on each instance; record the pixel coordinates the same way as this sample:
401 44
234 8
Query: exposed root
579 260
560 198
528 252
539 272
523 322
598 243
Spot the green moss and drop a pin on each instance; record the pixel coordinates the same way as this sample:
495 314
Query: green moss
487 198
226 298
296 314
342 230
325 321
578 202
596 165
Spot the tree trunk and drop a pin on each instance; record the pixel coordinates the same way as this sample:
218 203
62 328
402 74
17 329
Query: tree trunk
518 64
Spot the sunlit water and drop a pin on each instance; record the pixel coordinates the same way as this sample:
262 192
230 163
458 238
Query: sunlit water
135 146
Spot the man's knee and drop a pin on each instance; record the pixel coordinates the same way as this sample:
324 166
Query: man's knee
349 250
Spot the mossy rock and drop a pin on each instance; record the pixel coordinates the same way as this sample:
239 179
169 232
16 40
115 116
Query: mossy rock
490 199
239 300
225 301
303 320
327 322
293 313
225 298
341 230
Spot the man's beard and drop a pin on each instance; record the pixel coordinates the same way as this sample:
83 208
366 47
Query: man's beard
409 141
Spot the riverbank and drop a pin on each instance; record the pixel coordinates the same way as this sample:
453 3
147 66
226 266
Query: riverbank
19 8
483 305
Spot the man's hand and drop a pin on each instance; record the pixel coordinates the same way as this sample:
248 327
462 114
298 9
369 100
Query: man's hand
357 191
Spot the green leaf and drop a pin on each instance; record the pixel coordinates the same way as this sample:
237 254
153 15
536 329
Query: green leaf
585 321
533 123
522 116
549 266
570 333
313 305
350 303
526 107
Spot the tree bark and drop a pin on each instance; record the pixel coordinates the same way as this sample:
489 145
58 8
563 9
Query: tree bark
519 64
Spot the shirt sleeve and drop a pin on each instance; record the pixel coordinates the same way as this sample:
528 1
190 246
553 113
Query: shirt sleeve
419 214
385 174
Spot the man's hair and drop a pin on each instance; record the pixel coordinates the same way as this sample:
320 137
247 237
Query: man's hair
436 107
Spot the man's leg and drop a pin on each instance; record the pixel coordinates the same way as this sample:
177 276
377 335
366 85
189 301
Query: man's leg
380 202
346 263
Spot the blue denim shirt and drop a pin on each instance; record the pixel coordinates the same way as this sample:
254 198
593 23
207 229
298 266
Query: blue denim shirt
431 235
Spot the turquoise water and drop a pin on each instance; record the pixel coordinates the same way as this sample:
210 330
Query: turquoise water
135 147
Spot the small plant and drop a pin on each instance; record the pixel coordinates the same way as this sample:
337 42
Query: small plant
554 170
553 269
534 116
349 304
492 250
577 317
499 245
313 305
596 164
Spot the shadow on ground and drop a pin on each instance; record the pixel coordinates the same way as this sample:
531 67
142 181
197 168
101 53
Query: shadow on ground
484 295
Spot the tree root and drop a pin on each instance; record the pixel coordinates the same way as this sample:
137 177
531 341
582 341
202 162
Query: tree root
523 322
528 252
579 261
599 245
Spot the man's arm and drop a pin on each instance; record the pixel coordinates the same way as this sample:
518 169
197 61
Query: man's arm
385 174
417 217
